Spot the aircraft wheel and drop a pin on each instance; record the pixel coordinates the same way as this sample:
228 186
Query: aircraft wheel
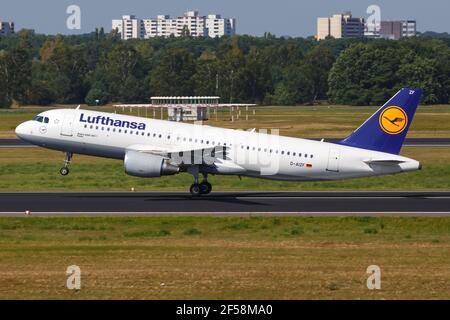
205 188
64 171
195 189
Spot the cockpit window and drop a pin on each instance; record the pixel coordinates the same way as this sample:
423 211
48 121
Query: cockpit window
41 119
38 118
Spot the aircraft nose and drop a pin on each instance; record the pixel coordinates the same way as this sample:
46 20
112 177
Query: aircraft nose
21 130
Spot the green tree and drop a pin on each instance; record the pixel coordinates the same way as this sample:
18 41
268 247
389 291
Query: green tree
97 97
121 76
63 69
173 74
363 75
15 74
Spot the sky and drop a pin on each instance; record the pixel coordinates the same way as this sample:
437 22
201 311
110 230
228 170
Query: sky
254 17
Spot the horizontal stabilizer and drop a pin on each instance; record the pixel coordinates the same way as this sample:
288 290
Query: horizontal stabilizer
384 162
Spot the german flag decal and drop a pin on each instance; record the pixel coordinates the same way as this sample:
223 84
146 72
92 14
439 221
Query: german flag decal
309 165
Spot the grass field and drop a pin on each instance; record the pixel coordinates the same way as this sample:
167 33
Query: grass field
230 258
35 169
304 121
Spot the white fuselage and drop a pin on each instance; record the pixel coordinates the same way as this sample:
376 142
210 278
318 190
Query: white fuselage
250 153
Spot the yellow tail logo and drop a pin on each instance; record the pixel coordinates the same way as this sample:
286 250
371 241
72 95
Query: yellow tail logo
393 120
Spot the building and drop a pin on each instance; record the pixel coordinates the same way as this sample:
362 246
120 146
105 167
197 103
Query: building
340 26
6 28
219 27
393 30
409 28
161 26
193 23
190 23
129 27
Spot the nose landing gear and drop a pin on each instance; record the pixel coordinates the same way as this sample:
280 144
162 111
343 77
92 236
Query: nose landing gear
65 169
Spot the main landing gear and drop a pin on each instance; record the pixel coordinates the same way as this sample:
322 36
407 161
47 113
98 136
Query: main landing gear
197 188
65 169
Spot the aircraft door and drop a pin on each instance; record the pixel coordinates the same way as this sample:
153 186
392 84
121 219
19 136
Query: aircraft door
67 125
333 160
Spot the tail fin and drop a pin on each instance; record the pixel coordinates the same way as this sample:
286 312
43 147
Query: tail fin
386 130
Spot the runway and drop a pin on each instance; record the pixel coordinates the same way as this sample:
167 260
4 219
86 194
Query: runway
412 142
228 203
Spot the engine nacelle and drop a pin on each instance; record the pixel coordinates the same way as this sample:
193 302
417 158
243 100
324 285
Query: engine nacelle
146 165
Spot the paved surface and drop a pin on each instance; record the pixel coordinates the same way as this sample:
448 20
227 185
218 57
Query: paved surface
302 203
413 142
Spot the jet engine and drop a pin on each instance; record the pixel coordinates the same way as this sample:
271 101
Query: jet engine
147 165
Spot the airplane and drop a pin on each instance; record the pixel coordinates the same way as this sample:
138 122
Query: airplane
153 148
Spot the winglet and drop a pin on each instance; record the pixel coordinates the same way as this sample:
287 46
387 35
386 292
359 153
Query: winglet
78 108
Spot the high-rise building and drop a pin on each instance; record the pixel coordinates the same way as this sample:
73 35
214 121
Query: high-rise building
161 26
191 23
218 26
393 30
6 28
129 27
340 26
409 28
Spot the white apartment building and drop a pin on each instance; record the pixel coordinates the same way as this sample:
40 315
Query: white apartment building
6 28
129 27
340 26
219 27
194 23
213 25
161 26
